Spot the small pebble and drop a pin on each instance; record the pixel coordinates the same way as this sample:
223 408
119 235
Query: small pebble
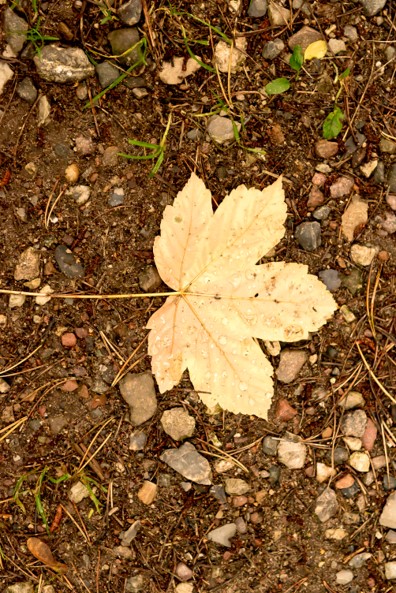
183 572
308 235
270 446
360 461
68 340
72 173
343 577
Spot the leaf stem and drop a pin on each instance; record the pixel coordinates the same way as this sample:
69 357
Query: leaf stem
60 295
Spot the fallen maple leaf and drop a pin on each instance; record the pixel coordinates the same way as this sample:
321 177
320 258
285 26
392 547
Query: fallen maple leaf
223 300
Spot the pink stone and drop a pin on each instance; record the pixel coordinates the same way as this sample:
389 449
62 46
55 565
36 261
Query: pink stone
316 198
81 332
284 411
70 385
68 340
345 482
239 501
326 149
319 179
369 436
342 187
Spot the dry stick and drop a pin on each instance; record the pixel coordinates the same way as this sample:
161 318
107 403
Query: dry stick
49 209
373 376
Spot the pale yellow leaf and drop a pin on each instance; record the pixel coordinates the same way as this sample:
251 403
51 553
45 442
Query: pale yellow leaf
224 300
317 49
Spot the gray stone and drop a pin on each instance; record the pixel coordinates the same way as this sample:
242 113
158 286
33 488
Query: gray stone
257 8
304 37
389 482
389 223
274 474
379 173
5 75
219 493
221 129
343 577
272 49
278 15
15 29
340 455
189 463
178 424
127 536
25 587
372 7
236 486
67 262
391 537
270 445
292 453
223 534
134 82
26 90
351 32
149 279
388 515
359 560
58 423
116 197
130 12
331 279
387 145
308 235
63 64
137 441
390 570
392 178
326 505
354 423
290 364
121 40
139 393
353 281
107 73
28 266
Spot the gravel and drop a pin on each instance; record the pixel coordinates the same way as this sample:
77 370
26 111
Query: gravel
308 235
139 393
63 64
326 505
222 535
189 463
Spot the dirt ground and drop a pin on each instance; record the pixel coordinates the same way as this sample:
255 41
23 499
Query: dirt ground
63 422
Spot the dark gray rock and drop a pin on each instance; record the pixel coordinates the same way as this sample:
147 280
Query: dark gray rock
15 29
353 282
322 213
389 482
107 73
63 64
274 474
121 40
139 393
149 279
130 12
116 197
270 446
257 8
379 173
272 49
189 463
372 7
331 279
26 90
304 37
67 262
308 235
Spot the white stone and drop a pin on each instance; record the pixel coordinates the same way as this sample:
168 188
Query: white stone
184 588
292 454
324 472
4 387
337 45
78 492
362 255
278 15
16 300
353 443
368 168
343 577
390 570
352 400
176 71
388 515
44 110
360 462
235 486
230 58
45 291
337 534
223 534
221 130
5 75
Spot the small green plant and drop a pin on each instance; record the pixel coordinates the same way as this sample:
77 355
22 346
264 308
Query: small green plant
157 150
281 85
333 123
36 38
